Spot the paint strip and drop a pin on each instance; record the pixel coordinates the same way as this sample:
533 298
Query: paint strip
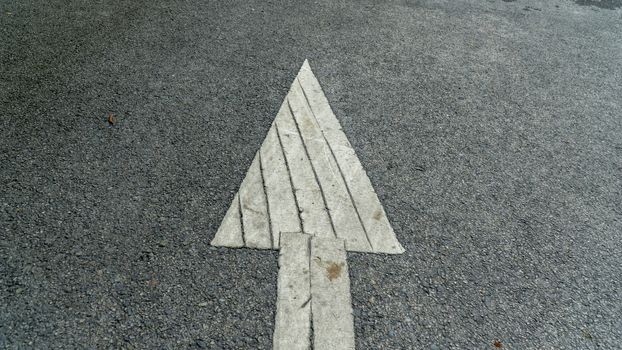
292 326
255 223
283 210
230 232
333 323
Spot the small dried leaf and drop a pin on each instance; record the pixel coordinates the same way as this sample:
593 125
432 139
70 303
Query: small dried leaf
111 119
498 344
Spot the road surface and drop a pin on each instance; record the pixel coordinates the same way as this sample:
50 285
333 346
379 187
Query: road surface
490 130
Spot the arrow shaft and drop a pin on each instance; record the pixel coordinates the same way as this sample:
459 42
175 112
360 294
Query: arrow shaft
313 295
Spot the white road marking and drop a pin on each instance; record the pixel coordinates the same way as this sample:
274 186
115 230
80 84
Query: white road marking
315 219
292 325
230 232
313 283
333 324
255 224
371 212
283 209
340 206
306 193
332 195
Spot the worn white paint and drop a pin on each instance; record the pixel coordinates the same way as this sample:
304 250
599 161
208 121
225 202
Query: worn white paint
333 324
306 193
366 201
313 289
292 325
309 179
315 218
281 199
340 207
230 232
255 224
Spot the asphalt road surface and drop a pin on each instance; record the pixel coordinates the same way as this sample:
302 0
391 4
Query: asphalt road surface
491 131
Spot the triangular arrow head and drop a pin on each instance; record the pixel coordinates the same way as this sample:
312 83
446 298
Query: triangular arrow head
307 178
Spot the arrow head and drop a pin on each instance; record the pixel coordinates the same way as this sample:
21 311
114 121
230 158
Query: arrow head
307 178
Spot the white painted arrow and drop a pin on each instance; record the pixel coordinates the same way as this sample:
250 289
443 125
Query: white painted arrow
306 193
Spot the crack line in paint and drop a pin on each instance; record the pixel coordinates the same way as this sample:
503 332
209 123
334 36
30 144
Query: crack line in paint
265 193
317 179
241 219
289 173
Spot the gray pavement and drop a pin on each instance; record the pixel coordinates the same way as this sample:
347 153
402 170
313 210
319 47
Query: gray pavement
491 131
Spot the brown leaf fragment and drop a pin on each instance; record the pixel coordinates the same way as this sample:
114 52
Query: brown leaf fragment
498 344
111 119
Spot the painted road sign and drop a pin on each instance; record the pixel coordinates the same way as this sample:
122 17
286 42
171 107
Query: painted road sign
306 193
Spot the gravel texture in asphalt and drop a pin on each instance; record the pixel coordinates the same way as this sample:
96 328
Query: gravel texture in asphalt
491 130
